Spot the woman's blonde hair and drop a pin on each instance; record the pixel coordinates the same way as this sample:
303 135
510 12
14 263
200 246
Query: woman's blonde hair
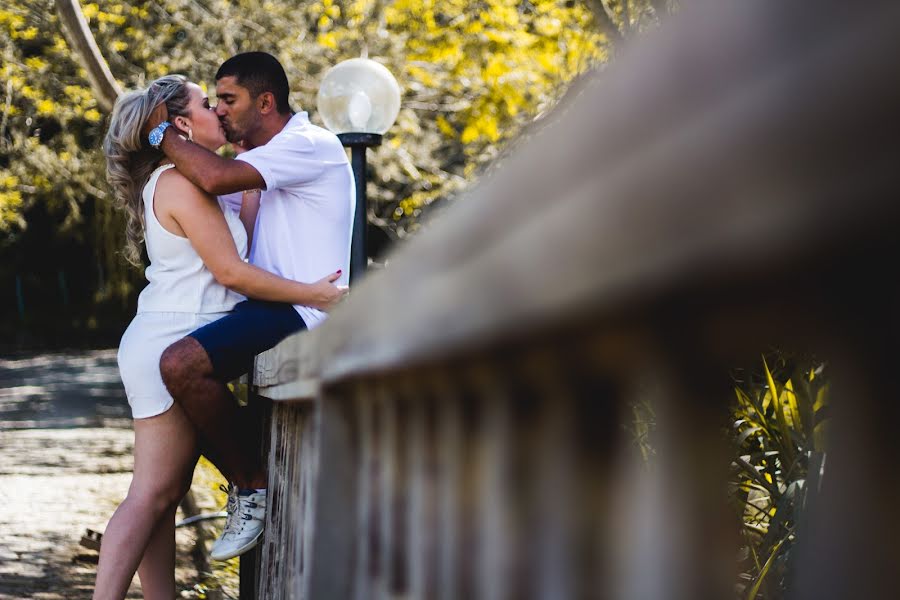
130 159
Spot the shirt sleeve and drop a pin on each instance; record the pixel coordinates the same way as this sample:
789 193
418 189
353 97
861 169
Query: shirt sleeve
290 158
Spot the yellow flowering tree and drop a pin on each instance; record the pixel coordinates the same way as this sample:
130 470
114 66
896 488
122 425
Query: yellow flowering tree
473 72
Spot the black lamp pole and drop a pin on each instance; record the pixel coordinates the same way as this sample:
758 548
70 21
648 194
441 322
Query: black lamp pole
358 142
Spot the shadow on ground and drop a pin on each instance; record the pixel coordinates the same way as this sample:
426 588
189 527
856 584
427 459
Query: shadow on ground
66 445
62 390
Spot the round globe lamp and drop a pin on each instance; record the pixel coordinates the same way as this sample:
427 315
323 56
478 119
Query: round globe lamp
359 100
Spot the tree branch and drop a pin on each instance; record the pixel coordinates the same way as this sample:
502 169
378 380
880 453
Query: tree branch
80 38
606 20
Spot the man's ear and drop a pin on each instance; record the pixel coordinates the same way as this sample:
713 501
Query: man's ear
266 102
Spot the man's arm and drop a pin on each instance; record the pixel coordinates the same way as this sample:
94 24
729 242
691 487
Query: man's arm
207 170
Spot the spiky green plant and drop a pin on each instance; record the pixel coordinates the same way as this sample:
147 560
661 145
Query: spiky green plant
779 420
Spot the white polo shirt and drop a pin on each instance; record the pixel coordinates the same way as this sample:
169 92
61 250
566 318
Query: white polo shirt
305 219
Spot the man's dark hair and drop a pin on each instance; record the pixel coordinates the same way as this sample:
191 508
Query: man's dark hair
258 72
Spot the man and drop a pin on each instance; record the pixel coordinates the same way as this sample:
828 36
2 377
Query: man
303 230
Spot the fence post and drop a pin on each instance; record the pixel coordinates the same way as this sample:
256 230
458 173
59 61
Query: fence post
249 562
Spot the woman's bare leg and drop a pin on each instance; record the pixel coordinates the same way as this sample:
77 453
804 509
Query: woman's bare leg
165 452
157 568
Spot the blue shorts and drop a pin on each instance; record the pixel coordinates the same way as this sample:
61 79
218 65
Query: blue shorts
253 326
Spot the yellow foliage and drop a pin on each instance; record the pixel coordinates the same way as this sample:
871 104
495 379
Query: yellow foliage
35 63
327 40
445 127
503 55
469 134
421 75
472 74
90 11
10 209
11 19
548 26
45 107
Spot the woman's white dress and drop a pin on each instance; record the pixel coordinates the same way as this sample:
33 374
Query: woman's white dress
181 296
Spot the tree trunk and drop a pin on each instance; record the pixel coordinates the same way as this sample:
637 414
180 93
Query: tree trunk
606 20
81 40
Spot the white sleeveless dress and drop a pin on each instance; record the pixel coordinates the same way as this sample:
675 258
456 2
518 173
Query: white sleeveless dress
181 296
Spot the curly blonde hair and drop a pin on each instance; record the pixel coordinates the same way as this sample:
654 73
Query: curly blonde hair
130 159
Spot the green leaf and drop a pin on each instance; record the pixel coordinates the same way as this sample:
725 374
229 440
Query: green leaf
788 453
765 570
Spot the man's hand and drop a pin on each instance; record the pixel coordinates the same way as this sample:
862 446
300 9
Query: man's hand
159 114
326 294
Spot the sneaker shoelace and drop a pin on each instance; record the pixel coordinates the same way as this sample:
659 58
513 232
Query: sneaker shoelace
232 507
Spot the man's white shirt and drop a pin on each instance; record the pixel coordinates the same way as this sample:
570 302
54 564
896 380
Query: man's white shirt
305 221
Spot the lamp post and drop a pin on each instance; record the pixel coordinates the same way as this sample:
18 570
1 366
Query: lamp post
359 100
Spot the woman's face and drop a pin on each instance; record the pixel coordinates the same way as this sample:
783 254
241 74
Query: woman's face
203 122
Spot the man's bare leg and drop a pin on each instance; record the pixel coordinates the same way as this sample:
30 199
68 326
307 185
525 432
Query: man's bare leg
225 435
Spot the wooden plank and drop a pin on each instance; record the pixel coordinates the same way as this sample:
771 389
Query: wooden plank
387 489
450 492
842 557
494 505
292 455
299 390
309 468
418 528
290 362
365 512
333 535
552 453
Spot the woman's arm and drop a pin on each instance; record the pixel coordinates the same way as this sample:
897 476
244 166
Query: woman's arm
202 221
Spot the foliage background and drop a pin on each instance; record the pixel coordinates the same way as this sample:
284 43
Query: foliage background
473 73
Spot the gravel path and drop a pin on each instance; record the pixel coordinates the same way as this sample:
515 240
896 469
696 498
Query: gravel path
65 464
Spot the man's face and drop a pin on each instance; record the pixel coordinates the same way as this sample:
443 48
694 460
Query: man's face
236 109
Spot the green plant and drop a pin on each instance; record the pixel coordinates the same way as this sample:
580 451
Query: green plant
779 421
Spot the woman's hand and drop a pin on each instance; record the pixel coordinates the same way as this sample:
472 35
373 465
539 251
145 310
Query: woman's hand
325 294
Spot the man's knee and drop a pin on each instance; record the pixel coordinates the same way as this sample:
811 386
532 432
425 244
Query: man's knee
183 362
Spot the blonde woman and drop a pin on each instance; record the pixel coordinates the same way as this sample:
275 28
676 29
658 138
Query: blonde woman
195 242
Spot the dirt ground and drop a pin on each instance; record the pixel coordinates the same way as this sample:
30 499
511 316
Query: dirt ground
65 464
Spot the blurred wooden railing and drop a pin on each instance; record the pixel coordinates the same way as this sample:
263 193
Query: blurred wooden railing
453 430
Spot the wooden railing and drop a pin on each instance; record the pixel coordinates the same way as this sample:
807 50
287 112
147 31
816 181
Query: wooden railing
453 430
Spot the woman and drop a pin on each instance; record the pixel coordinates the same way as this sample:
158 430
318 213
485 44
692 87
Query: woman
194 242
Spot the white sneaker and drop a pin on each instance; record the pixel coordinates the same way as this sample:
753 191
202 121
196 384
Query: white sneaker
243 526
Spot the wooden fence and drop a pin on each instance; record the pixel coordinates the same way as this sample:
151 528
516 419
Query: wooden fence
453 430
